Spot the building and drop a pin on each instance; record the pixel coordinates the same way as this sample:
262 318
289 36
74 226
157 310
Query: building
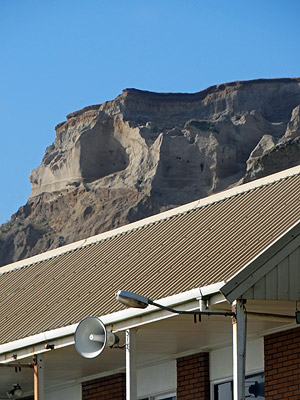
242 244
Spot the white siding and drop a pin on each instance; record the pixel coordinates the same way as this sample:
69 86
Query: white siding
157 379
220 360
67 393
281 283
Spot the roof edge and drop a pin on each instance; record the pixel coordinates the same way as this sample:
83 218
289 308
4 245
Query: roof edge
113 318
152 219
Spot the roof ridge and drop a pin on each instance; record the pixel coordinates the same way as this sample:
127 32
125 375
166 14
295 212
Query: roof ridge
214 198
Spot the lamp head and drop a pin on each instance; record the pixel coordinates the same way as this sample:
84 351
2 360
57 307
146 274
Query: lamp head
16 391
130 299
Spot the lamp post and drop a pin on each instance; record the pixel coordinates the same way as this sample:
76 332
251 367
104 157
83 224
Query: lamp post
131 299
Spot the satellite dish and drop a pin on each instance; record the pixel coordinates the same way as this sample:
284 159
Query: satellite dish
91 337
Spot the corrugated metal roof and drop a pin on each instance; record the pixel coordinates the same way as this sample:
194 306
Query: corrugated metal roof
193 248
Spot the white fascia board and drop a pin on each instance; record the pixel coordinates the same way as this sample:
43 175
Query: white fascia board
43 337
118 321
155 218
211 289
262 263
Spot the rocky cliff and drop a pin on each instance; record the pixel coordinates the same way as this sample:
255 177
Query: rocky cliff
144 152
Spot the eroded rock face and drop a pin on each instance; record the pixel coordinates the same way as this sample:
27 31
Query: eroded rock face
144 152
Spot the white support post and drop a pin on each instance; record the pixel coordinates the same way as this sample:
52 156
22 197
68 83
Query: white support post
38 377
131 382
239 349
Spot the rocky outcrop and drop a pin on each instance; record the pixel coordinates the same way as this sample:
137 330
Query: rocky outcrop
145 152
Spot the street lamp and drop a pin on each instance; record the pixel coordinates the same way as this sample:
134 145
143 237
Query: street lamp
134 300
15 392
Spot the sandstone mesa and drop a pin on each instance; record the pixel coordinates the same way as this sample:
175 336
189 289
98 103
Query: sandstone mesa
145 152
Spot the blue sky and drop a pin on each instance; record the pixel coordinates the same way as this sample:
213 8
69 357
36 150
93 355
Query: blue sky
57 56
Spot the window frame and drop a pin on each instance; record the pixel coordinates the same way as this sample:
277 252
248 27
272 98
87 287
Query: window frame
228 379
159 396
165 396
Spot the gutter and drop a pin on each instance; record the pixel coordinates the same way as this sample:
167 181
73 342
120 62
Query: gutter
119 321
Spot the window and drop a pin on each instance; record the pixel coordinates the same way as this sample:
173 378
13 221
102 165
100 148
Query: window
166 396
254 388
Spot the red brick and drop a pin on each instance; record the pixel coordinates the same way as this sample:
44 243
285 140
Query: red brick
282 370
107 388
193 377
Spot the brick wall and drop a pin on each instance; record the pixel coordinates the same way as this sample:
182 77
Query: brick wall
282 365
108 388
193 377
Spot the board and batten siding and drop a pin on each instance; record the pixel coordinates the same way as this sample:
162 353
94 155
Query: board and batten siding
281 283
